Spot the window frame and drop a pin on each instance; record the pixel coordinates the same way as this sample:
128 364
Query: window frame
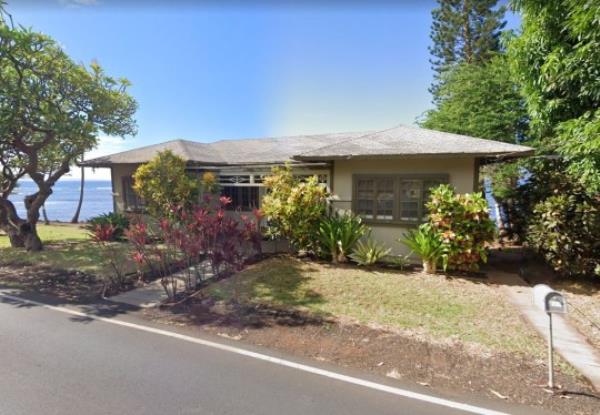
240 188
443 178
126 188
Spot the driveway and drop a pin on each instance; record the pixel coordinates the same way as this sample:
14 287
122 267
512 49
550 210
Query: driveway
54 362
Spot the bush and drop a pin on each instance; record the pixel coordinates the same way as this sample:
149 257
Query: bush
565 230
103 234
293 208
164 184
464 226
427 243
338 234
118 221
368 252
189 236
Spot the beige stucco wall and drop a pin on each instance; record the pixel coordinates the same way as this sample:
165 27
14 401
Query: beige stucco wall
462 174
461 171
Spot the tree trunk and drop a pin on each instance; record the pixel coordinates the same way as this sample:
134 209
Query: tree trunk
82 183
45 215
15 238
30 236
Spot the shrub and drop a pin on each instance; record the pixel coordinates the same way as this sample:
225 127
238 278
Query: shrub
426 243
293 208
104 234
118 221
565 230
163 183
338 234
368 252
464 226
189 236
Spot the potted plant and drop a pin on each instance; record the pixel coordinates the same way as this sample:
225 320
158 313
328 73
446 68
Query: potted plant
426 243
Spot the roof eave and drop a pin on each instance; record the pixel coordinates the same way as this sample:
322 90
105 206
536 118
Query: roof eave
504 154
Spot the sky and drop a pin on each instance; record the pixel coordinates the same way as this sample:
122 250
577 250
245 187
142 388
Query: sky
215 70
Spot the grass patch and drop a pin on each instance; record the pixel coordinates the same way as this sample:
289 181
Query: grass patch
66 247
55 233
431 305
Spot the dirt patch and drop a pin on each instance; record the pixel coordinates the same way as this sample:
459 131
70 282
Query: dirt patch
449 366
70 286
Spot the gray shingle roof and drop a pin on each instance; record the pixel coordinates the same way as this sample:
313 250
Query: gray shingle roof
397 141
413 141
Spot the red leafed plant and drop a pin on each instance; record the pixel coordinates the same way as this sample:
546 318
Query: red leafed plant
192 235
103 235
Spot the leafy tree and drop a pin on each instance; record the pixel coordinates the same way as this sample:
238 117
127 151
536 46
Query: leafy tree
164 184
464 31
556 60
51 112
481 101
294 209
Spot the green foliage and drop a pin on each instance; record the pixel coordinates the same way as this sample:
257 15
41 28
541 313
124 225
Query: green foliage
481 101
464 31
118 221
52 110
427 243
339 233
463 224
368 252
556 61
293 208
564 230
165 185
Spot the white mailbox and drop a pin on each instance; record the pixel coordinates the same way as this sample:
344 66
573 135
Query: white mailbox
549 300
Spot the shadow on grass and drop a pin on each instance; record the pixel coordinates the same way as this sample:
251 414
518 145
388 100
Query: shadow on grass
259 297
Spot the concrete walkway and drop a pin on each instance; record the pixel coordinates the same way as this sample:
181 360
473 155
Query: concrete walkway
153 293
568 342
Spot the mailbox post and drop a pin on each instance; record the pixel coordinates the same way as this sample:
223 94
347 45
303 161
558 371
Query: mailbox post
551 302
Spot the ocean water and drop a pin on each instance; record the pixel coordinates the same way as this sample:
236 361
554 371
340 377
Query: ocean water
61 204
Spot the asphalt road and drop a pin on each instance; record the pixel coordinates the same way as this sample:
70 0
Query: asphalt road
53 363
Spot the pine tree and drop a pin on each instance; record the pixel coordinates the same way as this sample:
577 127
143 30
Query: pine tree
464 31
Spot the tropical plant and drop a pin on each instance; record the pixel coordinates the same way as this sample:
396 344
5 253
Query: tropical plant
339 233
564 230
368 252
118 221
190 236
426 243
294 208
463 224
103 235
399 261
165 185
52 110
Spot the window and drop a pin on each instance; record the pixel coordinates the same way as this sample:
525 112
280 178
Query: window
242 197
131 201
394 198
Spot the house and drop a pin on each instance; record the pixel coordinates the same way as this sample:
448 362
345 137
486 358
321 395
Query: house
384 176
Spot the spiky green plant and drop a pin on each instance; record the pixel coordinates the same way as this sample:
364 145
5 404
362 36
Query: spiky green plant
426 243
339 233
369 252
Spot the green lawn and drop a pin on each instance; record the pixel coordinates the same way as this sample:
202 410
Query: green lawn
427 305
67 247
55 233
